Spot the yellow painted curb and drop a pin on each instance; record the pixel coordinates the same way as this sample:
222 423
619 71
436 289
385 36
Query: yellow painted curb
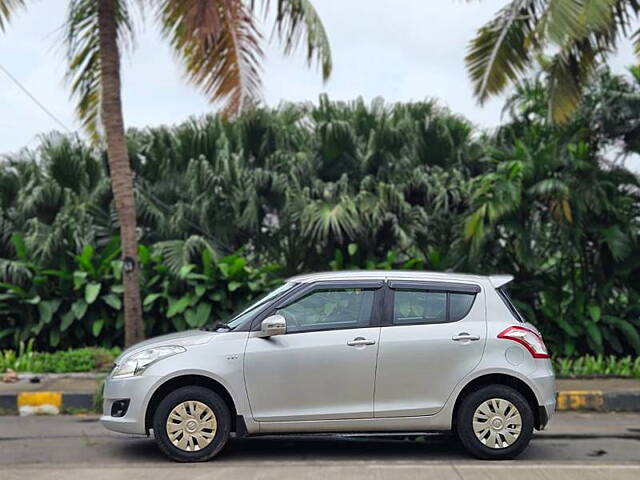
580 400
36 399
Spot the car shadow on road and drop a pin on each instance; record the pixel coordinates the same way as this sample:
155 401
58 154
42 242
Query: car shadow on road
314 448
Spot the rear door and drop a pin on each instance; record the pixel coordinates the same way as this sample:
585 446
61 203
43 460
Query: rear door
433 335
323 368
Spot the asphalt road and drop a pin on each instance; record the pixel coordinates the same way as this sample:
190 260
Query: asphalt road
576 446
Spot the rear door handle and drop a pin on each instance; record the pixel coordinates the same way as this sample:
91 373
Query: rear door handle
462 336
359 341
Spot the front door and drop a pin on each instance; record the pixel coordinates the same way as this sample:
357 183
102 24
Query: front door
434 337
324 366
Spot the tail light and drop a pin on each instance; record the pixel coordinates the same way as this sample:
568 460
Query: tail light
528 338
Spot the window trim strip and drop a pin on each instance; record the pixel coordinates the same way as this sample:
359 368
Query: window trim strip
435 286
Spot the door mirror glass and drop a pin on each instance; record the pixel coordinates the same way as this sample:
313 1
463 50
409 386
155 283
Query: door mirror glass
273 325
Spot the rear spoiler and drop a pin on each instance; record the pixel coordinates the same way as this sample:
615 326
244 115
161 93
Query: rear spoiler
500 280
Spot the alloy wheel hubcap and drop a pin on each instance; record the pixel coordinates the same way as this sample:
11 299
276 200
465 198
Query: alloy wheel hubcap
191 426
497 423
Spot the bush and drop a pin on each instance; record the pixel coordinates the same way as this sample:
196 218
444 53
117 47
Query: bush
64 361
83 306
596 366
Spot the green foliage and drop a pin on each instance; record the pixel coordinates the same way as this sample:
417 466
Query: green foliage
228 209
599 365
24 359
70 308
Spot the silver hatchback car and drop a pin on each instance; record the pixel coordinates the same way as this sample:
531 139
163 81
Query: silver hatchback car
345 352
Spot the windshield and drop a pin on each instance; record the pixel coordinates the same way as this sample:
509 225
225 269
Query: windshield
248 312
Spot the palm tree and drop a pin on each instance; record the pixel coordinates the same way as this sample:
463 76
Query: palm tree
219 45
578 34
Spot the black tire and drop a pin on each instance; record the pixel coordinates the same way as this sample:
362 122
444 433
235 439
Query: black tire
464 422
199 394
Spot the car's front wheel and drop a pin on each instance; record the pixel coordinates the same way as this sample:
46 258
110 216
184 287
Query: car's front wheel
191 424
495 422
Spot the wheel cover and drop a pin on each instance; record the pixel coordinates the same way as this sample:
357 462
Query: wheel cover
191 426
497 423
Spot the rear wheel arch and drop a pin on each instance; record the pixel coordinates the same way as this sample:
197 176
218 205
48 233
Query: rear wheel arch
185 381
500 379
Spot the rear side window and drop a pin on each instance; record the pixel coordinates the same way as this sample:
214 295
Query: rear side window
504 295
413 307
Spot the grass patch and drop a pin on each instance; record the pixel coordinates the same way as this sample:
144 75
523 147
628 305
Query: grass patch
89 359
597 366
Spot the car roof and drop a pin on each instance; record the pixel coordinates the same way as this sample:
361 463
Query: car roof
347 275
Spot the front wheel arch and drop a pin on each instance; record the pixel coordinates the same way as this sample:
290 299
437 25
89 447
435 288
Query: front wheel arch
186 381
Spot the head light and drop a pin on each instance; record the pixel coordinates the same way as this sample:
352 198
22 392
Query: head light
137 363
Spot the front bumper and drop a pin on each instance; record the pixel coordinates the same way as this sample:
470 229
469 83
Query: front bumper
135 389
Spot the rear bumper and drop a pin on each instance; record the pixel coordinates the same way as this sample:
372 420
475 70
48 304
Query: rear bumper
545 386
544 415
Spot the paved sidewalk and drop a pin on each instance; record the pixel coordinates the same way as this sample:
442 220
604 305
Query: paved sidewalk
67 383
604 384
55 391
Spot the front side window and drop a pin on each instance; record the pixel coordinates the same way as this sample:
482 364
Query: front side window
329 309
413 307
248 313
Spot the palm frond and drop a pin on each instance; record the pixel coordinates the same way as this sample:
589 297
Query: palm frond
597 14
7 9
499 53
219 45
564 20
14 271
324 219
178 253
568 74
297 21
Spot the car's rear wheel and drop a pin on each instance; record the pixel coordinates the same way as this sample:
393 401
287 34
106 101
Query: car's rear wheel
495 422
191 424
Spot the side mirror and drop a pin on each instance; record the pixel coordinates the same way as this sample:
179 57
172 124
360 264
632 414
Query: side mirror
273 325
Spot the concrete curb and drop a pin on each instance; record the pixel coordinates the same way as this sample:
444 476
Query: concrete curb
567 400
599 401
47 403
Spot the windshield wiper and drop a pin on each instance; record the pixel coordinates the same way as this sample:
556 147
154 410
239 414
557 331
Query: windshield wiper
217 326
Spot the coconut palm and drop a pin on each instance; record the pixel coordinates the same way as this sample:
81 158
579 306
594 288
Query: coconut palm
579 36
219 45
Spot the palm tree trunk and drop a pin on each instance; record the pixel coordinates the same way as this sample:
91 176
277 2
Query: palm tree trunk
120 169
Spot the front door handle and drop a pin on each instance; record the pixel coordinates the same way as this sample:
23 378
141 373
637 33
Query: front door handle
462 336
359 341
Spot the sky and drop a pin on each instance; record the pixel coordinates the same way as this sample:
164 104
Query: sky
401 50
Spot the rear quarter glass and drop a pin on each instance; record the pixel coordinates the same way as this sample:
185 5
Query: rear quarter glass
504 296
